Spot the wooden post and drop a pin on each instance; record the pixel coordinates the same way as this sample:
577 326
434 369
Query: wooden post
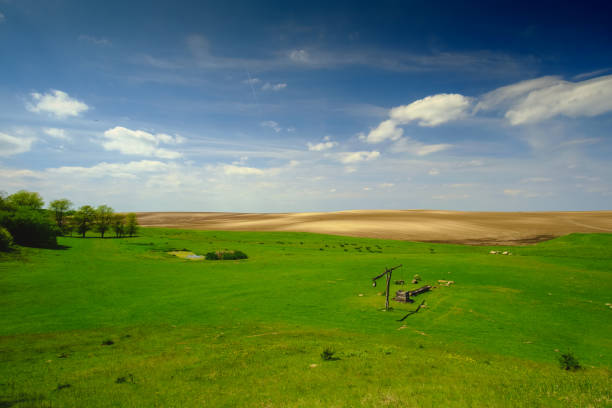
389 272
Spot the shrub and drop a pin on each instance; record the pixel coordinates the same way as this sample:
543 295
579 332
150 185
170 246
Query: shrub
328 354
212 256
32 228
6 239
229 255
568 362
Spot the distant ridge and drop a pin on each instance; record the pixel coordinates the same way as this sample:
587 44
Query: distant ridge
473 228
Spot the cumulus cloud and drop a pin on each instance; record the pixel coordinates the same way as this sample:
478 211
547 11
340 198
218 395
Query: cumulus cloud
433 110
355 157
326 144
11 145
427 112
272 125
385 130
56 133
139 142
273 87
57 103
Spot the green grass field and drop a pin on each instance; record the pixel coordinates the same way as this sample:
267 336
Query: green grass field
190 333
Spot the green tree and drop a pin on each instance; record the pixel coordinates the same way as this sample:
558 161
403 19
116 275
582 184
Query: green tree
131 227
84 219
104 219
6 239
119 225
31 228
60 208
24 198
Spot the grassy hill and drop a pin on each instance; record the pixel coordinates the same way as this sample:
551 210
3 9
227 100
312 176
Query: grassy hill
250 332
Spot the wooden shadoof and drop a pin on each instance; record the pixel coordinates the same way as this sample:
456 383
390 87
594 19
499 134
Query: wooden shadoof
387 273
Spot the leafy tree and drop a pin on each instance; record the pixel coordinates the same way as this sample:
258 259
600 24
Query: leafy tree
104 219
31 228
4 204
132 225
24 198
84 219
119 225
60 208
6 239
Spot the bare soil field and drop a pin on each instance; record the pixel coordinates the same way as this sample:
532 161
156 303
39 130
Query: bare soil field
474 228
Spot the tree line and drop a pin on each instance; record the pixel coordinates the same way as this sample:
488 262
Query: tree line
25 221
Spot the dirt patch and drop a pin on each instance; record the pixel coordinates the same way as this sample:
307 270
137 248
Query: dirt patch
460 227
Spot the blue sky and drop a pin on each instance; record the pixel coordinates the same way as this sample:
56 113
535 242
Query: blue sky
305 106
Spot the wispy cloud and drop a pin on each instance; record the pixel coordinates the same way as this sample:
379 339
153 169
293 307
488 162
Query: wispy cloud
11 145
56 133
273 87
356 157
100 41
272 125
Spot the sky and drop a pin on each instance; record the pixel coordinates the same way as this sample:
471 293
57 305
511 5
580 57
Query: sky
308 106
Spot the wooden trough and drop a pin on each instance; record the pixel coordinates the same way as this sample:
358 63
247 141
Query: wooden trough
405 296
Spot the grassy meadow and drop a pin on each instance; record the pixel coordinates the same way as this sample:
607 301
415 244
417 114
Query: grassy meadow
123 323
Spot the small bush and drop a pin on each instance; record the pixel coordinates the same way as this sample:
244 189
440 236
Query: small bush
328 354
230 255
6 239
568 362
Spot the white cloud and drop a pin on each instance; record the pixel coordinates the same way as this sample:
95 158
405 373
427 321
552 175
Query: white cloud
508 95
386 185
536 180
272 125
2 18
433 172
251 81
319 147
56 133
230 169
273 87
354 157
424 150
118 170
428 112
432 110
418 148
385 130
57 103
10 145
573 99
139 142
300 56
94 40
513 192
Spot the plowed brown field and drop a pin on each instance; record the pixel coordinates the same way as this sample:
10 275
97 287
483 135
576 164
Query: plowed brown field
476 228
